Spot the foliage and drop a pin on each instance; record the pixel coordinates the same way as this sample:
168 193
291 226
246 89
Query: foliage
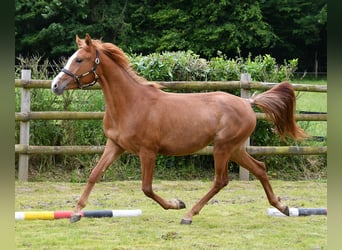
295 28
49 27
166 66
300 27
203 26
188 66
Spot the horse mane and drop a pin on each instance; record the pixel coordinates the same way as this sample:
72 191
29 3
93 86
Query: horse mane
118 56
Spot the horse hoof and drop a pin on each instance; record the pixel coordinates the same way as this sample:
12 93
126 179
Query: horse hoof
286 211
74 218
185 222
181 204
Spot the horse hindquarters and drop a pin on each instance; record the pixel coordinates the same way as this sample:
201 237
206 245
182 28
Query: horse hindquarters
234 126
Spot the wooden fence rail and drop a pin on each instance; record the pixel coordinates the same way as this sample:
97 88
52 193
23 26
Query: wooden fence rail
193 85
73 115
208 150
245 85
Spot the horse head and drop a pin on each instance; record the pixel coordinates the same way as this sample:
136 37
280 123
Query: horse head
80 70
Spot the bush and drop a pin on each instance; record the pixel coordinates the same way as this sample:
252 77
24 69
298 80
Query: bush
187 66
166 66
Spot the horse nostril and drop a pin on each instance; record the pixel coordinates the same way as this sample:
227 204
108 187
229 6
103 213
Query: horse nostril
54 87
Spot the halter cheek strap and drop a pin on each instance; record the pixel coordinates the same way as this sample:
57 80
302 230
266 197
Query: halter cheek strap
78 77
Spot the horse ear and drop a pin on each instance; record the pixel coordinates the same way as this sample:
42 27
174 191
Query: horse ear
79 42
88 39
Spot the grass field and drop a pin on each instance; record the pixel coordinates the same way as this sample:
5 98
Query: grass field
311 101
234 219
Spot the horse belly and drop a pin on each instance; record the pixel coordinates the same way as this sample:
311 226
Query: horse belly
186 140
182 148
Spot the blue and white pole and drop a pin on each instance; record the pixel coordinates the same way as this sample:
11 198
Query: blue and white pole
298 212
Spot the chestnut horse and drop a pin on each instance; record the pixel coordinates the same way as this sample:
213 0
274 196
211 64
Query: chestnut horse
142 119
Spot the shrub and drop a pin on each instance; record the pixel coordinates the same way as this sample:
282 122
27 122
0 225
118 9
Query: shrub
187 66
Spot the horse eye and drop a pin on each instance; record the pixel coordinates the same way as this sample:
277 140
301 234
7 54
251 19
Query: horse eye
79 60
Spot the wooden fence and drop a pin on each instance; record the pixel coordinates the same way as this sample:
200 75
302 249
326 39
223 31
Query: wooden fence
24 149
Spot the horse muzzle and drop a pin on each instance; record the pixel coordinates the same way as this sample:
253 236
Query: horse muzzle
58 86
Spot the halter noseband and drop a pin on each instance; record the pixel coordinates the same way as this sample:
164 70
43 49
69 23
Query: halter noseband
78 77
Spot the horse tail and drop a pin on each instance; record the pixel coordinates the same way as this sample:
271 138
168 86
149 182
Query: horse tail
279 104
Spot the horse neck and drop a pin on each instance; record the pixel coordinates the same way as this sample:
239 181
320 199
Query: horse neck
121 91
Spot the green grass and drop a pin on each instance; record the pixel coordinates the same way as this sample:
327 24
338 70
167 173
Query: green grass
234 219
316 102
311 101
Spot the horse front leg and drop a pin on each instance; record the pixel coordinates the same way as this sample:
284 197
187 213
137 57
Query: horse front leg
110 154
147 160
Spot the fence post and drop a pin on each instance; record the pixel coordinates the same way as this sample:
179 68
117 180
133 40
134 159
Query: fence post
245 93
24 126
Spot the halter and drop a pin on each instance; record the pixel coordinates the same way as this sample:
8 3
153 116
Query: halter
78 77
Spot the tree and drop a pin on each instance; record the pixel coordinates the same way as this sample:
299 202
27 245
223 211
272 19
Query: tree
202 26
49 27
285 29
300 26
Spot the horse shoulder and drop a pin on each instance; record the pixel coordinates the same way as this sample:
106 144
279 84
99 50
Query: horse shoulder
110 127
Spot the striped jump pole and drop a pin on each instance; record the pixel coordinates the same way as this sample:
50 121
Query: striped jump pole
298 212
52 215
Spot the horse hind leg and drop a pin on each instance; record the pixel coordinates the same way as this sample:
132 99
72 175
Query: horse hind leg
221 180
259 170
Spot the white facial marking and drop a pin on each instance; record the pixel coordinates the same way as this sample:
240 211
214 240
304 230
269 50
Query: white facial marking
55 80
60 74
67 66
